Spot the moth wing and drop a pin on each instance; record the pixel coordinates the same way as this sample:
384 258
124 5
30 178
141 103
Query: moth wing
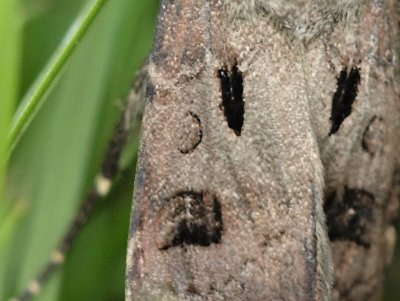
226 209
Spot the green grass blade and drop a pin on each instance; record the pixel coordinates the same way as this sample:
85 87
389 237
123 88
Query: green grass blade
36 96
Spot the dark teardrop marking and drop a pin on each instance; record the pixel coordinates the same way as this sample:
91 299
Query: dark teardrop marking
349 216
232 97
189 218
346 93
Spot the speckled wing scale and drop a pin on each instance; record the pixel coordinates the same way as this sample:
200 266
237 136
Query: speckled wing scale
260 115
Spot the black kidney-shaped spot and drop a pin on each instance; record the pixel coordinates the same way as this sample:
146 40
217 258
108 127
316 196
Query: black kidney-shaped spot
350 215
346 93
232 97
189 218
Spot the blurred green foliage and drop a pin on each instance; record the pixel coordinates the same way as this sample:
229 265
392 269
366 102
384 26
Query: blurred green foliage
55 163
57 159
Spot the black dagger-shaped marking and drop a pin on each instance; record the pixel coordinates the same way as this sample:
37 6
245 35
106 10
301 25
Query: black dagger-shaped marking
232 97
346 93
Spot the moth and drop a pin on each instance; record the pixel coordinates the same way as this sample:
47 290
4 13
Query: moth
269 151
269 161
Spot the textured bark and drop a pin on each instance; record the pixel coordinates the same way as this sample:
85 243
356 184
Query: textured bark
269 148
